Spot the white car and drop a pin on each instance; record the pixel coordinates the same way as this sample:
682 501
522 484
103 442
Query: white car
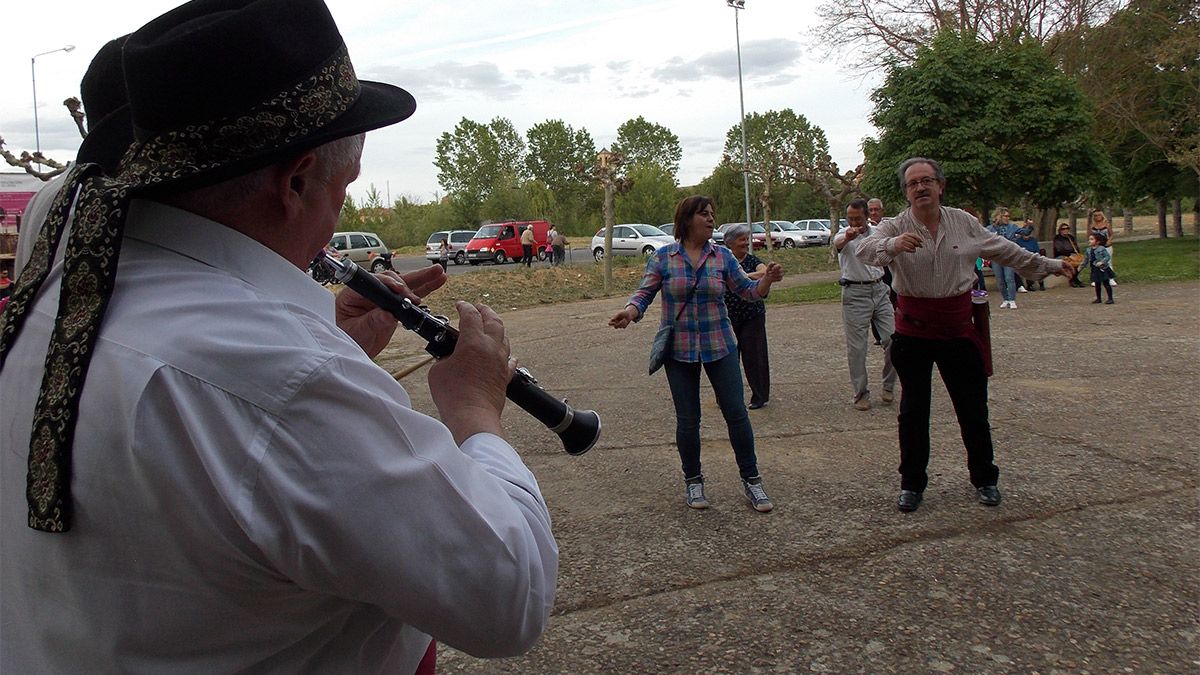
631 239
786 234
458 245
815 231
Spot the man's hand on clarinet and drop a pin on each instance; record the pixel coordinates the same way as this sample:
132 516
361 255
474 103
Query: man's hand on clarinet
468 387
372 328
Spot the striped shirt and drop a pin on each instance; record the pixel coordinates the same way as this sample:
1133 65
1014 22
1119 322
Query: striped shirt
703 332
945 267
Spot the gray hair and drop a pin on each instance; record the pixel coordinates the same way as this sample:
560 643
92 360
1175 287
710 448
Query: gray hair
737 231
937 169
332 158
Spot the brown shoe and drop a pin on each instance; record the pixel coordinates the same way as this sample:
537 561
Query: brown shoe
863 402
888 396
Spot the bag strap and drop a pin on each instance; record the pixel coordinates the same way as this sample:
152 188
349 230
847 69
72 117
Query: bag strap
691 290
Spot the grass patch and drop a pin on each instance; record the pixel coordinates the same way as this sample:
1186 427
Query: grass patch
1157 260
505 288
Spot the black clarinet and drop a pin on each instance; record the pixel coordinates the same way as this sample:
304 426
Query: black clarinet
578 429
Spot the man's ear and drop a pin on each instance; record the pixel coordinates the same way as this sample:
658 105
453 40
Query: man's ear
294 180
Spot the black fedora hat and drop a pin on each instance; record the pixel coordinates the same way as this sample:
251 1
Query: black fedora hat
220 87
110 131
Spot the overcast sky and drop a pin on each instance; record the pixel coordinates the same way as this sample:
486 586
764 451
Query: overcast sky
591 64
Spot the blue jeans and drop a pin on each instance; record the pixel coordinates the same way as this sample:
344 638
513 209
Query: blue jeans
725 375
1006 279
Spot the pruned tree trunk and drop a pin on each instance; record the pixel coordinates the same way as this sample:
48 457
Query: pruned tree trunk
1128 214
1177 208
1162 219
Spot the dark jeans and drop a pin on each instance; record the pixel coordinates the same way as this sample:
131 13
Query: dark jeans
752 345
726 379
961 367
528 251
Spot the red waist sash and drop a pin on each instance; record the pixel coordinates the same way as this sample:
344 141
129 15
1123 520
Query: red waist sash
946 319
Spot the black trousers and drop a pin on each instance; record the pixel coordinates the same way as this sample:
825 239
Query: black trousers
752 343
528 254
961 367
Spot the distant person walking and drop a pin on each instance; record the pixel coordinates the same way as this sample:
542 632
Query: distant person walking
527 242
558 246
444 253
865 303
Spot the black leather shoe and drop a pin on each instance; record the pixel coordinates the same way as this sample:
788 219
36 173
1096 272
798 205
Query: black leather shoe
909 500
756 406
989 495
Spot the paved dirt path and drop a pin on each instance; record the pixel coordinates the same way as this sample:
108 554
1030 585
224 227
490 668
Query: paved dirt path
1089 565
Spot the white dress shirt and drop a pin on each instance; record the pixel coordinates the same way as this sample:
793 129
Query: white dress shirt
944 266
251 491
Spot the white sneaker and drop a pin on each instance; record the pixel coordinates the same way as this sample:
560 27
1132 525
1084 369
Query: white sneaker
1112 282
1003 304
1021 289
1012 304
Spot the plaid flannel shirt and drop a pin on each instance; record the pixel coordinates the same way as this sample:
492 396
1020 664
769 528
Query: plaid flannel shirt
703 332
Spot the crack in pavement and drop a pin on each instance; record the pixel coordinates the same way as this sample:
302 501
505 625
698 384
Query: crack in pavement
877 549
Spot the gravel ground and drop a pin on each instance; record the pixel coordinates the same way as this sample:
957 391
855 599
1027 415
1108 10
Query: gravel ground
1089 565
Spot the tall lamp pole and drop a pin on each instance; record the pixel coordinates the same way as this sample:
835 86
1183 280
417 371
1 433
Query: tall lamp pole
740 5
37 137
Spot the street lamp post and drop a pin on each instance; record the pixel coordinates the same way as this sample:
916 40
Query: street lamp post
740 5
37 138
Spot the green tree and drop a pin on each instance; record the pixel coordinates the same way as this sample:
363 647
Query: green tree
775 140
474 158
651 197
555 152
1004 124
643 142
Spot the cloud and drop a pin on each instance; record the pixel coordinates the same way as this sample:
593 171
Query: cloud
439 81
571 74
762 60
618 67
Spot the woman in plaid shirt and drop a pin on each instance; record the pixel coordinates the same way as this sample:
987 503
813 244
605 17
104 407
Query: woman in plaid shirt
703 337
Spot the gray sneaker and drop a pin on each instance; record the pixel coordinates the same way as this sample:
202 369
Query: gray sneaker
695 496
757 495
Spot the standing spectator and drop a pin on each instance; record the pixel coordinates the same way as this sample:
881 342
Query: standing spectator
1097 258
749 319
875 214
1005 277
1064 246
931 248
527 243
1026 240
864 303
703 339
1098 224
444 253
175 497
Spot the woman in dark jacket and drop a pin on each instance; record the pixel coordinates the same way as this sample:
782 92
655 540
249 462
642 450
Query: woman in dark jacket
1065 246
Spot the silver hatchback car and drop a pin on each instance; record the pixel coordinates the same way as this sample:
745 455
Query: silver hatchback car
364 248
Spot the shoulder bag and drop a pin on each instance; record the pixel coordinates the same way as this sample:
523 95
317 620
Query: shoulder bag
660 349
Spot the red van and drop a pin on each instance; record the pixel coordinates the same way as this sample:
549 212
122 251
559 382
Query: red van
501 242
